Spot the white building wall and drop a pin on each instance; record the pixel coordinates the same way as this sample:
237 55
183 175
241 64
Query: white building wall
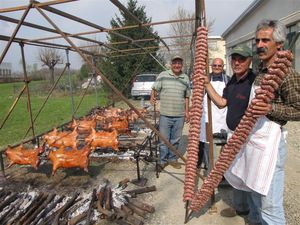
287 11
243 30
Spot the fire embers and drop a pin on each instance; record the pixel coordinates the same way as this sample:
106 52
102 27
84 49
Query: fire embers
269 84
195 113
109 202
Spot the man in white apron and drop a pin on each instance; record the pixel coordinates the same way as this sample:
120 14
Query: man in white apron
236 97
218 80
259 166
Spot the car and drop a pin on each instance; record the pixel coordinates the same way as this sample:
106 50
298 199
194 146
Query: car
142 85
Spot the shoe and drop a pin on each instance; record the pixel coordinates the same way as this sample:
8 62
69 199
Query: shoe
231 212
160 167
175 164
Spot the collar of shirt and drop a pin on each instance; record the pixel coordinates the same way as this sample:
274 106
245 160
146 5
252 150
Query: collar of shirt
262 68
170 72
216 77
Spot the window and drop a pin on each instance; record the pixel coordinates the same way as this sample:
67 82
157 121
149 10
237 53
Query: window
145 78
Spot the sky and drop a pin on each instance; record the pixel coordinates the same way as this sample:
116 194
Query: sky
223 12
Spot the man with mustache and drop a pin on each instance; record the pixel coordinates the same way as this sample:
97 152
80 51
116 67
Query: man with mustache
259 166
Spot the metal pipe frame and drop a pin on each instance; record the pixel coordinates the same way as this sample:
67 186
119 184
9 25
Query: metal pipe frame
77 19
116 91
27 88
110 30
46 45
133 17
12 37
19 8
31 25
146 48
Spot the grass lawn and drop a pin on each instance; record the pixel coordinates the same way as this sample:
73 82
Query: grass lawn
57 110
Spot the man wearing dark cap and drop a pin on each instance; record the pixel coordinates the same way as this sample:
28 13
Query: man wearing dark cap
173 87
236 97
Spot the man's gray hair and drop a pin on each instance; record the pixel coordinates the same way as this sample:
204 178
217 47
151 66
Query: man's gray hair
279 29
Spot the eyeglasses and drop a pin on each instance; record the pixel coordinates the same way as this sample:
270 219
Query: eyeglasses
216 65
238 58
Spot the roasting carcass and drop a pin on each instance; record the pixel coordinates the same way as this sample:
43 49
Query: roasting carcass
20 155
103 139
120 124
58 139
85 125
132 116
62 158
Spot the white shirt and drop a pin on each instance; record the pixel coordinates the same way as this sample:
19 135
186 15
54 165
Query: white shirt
218 115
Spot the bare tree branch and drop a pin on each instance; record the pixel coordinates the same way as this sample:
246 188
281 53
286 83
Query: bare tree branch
50 57
183 28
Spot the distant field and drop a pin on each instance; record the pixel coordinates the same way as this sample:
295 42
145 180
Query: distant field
57 110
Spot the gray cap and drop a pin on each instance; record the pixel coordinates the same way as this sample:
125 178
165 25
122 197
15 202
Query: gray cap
242 50
176 57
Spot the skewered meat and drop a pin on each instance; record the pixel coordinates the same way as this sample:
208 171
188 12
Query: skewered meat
234 144
195 113
103 139
58 139
132 116
120 124
20 155
62 158
85 125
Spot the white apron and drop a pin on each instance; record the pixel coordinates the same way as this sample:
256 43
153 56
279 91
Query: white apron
218 115
253 167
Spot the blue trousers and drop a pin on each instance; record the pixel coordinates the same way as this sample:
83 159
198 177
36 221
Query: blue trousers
271 205
171 128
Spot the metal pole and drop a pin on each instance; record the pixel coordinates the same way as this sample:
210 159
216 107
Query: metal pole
70 83
27 89
95 80
2 164
81 99
19 8
15 32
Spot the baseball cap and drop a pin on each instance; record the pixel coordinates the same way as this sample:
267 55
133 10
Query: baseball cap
176 57
242 50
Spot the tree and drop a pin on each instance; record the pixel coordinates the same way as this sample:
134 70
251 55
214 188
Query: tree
180 29
50 57
121 69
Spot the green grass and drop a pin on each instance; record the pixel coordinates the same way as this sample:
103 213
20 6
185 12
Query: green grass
57 110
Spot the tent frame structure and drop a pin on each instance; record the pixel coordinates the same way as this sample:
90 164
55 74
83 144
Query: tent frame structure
199 19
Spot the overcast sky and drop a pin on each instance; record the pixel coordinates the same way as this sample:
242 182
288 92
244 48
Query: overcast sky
223 12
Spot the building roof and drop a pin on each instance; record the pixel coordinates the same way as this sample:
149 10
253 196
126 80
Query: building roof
250 9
